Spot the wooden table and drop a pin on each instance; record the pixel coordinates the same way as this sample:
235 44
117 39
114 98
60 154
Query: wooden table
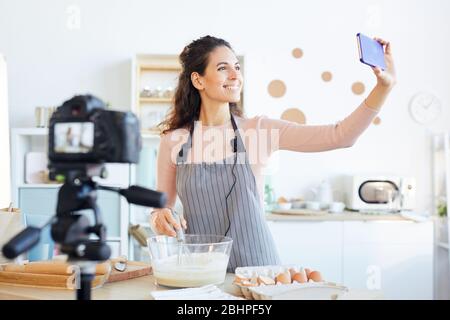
133 289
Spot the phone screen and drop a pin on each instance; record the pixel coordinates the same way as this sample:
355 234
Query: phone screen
371 52
74 137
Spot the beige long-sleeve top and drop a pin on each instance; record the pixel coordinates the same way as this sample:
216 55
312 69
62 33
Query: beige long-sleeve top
261 136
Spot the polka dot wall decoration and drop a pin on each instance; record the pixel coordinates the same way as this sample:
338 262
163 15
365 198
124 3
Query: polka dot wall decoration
277 88
358 88
297 53
294 115
376 121
327 76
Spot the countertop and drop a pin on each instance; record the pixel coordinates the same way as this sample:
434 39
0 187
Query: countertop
133 289
308 215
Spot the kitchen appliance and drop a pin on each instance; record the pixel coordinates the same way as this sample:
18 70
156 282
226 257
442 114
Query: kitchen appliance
197 261
323 194
381 193
43 116
36 167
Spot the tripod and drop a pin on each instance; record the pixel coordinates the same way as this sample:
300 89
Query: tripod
73 231
85 244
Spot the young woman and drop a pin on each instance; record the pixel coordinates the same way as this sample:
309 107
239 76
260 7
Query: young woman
217 175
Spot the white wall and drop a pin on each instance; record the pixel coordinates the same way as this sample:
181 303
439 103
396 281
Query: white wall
49 61
5 171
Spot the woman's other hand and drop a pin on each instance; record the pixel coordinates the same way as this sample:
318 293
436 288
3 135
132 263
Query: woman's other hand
386 78
163 222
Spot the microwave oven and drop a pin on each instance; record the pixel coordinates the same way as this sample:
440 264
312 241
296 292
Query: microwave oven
380 193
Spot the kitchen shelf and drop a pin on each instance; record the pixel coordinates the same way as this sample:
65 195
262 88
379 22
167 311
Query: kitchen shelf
30 131
154 71
440 156
155 100
36 198
40 185
440 170
160 67
441 141
147 134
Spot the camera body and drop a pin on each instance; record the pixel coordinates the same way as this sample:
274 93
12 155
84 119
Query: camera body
82 131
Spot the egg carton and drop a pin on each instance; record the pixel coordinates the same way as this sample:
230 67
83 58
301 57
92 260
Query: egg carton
298 291
268 271
256 290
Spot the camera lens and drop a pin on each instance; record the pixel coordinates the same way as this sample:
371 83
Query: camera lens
76 110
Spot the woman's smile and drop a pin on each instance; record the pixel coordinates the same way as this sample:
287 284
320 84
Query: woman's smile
233 87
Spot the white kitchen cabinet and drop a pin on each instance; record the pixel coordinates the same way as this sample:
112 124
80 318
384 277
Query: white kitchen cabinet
317 245
440 188
39 199
395 257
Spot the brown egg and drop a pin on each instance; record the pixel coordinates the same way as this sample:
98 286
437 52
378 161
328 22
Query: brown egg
263 280
283 277
282 200
300 277
247 283
238 279
254 279
307 271
315 276
292 272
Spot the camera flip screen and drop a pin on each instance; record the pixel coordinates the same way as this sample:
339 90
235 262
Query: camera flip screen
74 137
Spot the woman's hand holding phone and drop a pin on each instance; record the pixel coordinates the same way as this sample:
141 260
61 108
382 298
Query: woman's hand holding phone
386 78
377 53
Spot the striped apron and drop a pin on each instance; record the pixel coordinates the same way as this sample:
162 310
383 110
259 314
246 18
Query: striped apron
202 189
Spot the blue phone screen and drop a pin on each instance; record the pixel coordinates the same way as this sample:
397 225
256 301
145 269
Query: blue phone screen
371 52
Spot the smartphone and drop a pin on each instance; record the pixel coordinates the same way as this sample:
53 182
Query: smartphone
371 52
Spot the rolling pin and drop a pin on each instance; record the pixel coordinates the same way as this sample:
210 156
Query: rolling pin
53 268
39 280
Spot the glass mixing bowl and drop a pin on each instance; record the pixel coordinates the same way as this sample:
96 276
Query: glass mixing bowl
200 260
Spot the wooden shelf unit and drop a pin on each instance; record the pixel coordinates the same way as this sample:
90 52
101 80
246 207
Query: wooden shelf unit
160 67
154 71
38 200
154 100
440 169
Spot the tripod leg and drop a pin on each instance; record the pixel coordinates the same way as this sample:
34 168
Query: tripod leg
84 292
86 276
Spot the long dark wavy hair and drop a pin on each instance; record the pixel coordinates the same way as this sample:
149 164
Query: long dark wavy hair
186 105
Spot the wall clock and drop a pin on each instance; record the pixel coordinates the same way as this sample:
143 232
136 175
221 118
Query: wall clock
425 108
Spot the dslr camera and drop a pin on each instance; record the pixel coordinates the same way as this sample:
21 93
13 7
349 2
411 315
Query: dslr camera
82 134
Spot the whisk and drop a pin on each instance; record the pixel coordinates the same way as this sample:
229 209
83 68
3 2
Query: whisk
181 239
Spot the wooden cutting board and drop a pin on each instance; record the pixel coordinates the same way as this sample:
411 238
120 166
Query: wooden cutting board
134 269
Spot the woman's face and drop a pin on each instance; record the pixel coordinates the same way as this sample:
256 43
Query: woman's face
222 79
